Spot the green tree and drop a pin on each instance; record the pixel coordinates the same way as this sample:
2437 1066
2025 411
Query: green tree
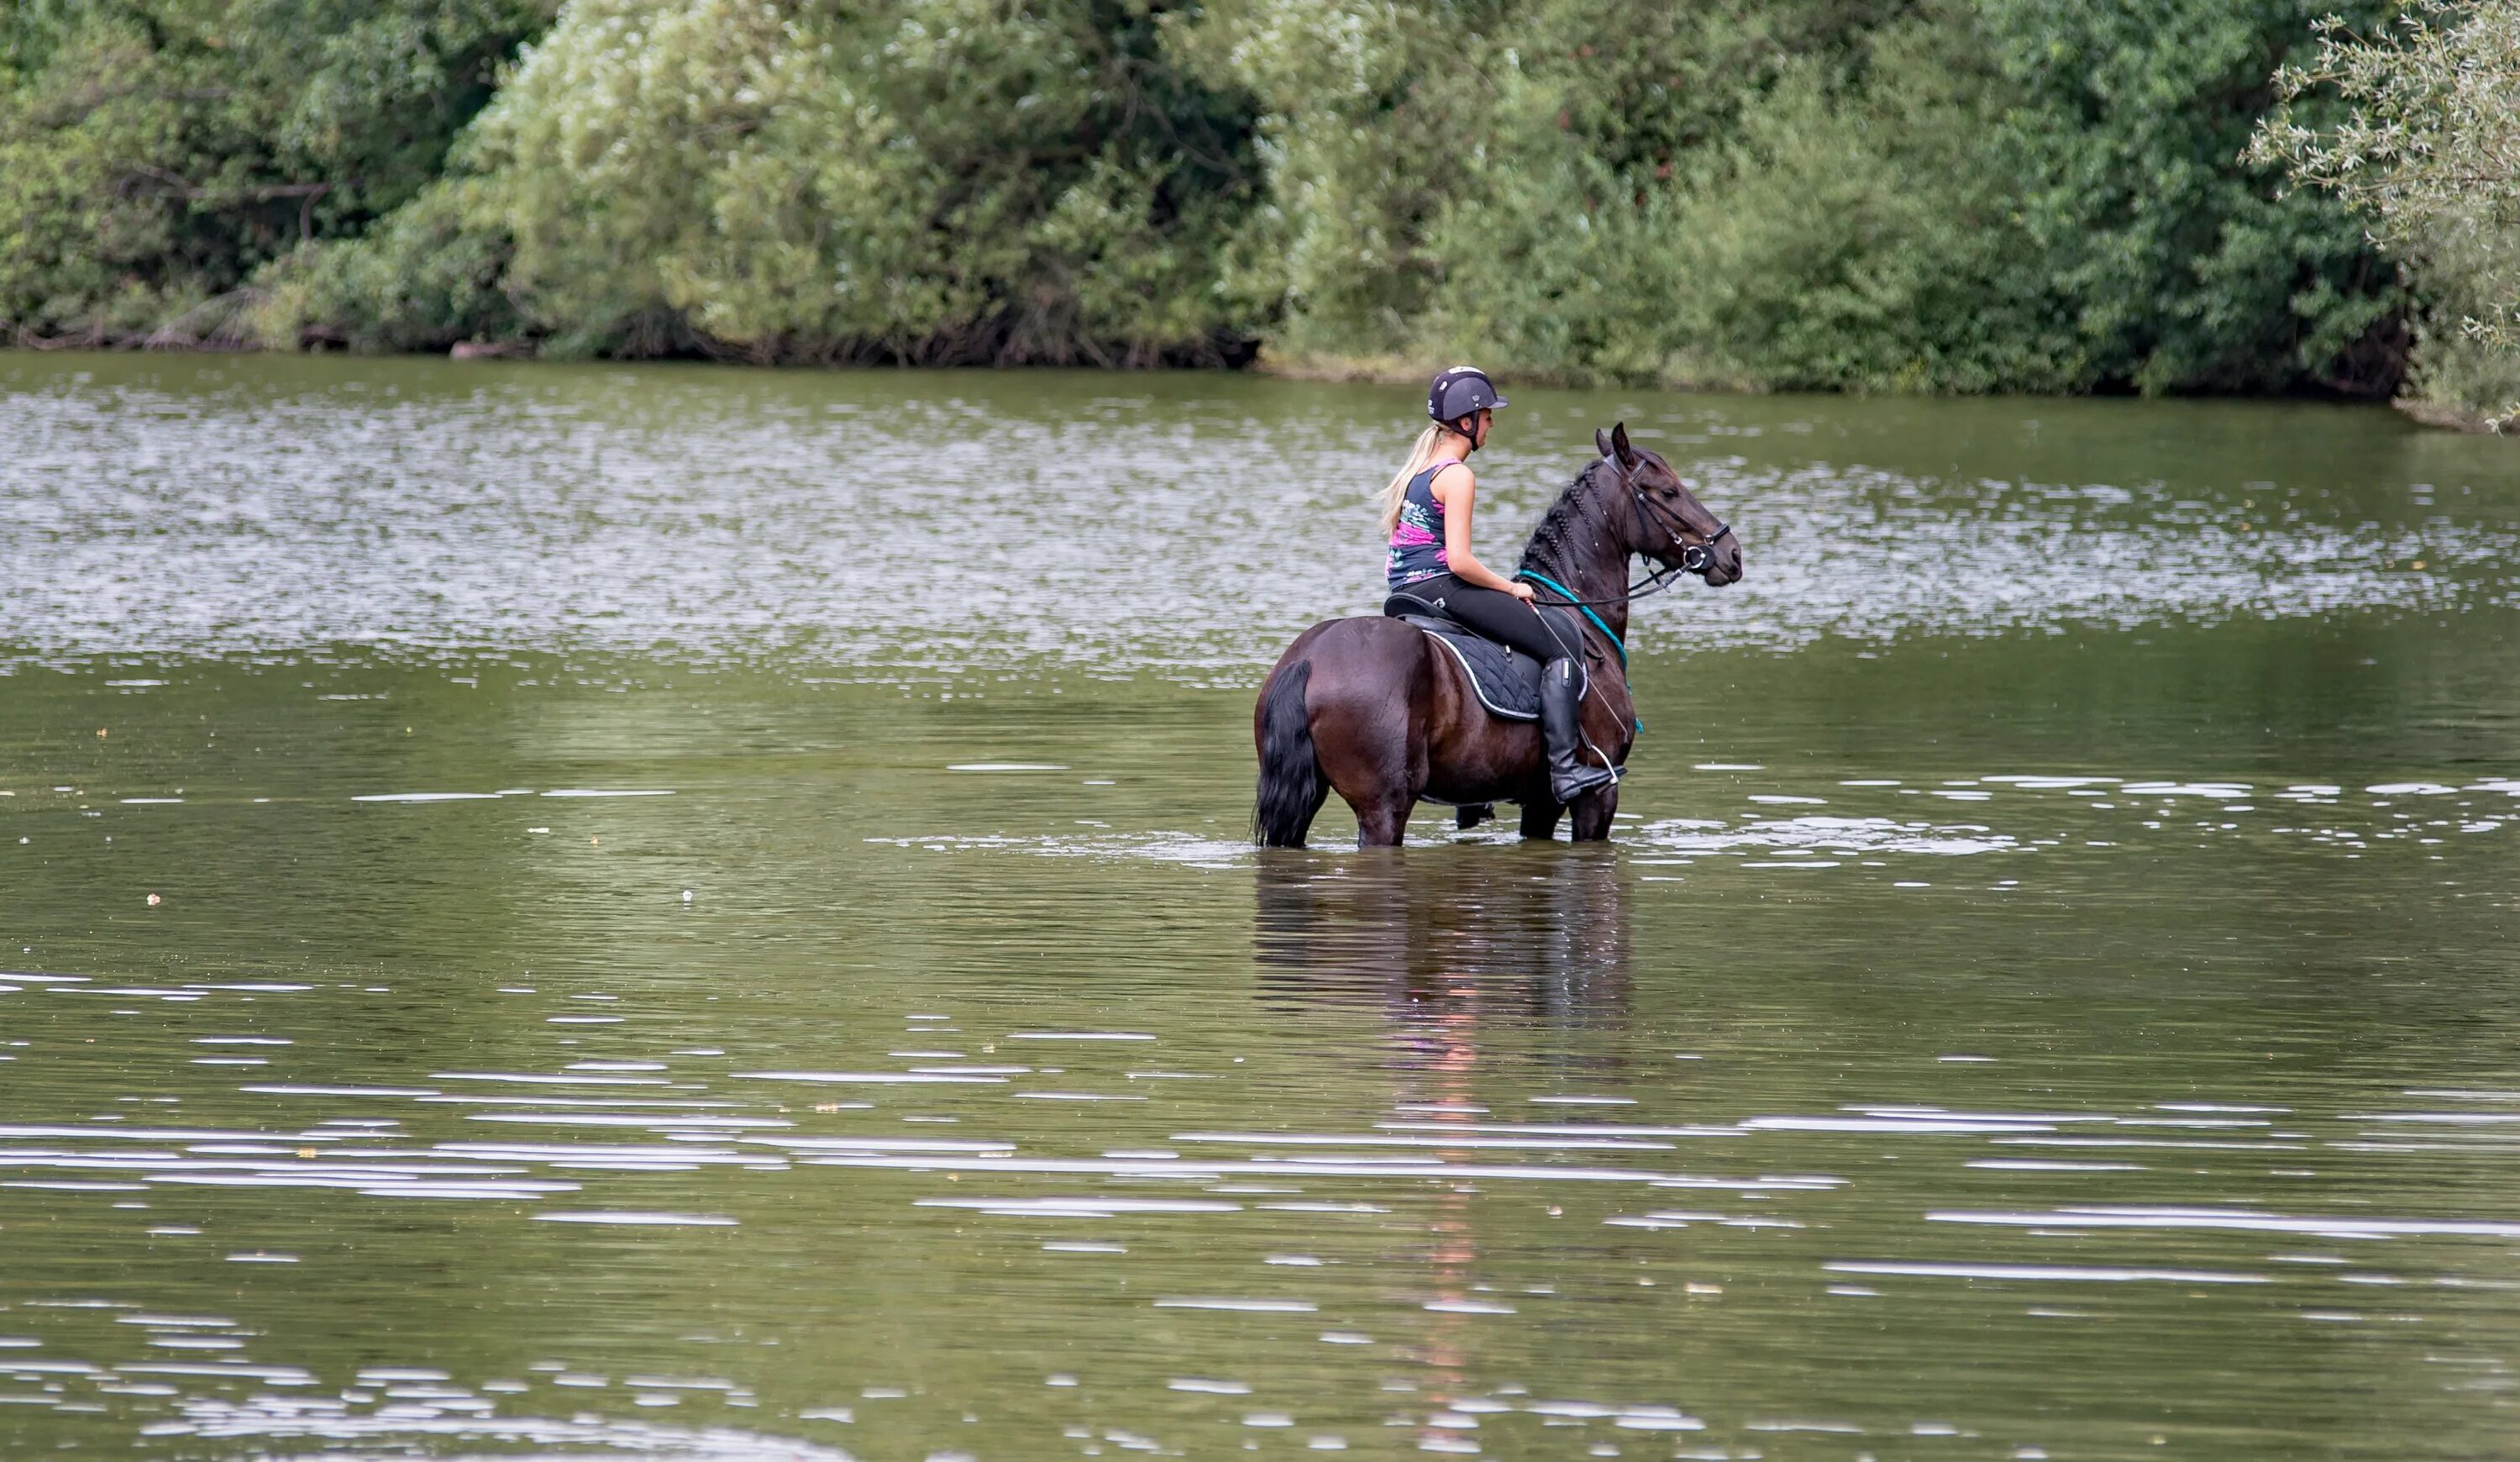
2181 264
2427 147
1930 194
941 181
1873 195
154 153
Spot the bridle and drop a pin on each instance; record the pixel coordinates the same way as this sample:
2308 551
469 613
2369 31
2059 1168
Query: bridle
1697 550
1694 557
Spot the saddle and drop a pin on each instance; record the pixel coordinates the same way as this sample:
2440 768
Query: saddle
1506 680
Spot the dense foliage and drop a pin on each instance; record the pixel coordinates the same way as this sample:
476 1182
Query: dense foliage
1827 193
925 180
155 154
2428 147
1901 194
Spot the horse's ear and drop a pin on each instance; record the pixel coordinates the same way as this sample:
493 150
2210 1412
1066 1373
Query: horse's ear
1601 439
1619 447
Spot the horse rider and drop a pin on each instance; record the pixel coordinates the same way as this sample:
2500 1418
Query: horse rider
1427 518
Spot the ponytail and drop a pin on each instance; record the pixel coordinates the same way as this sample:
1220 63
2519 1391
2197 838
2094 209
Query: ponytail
1421 457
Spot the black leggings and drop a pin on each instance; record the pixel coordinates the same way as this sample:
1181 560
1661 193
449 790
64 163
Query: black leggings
1500 617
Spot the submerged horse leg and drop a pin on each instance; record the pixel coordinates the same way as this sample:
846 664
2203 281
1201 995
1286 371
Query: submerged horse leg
1385 821
1593 811
1373 771
1368 697
1540 820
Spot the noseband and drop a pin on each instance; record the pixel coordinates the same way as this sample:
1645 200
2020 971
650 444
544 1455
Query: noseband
1694 557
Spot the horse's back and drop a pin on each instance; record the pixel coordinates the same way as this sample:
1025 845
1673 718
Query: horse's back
1363 660
1385 681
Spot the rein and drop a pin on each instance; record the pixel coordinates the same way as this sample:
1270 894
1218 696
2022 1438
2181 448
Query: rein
1546 583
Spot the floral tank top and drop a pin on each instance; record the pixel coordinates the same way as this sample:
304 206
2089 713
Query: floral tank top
1417 537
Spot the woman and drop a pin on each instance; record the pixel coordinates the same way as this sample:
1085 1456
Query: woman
1426 517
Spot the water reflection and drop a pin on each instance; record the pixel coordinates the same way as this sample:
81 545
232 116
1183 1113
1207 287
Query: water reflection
2074 1043
1446 940
1539 933
431 507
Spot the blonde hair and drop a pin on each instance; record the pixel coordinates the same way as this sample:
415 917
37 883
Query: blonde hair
1421 457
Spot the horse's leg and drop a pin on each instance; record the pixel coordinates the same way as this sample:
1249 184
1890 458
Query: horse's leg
1373 775
1383 821
1370 694
1540 820
1593 814
1471 816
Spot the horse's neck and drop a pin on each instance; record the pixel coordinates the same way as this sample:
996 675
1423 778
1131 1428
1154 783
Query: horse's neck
1616 615
1594 556
1600 564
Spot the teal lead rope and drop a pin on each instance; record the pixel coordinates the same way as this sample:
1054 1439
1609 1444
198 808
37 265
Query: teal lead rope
1577 600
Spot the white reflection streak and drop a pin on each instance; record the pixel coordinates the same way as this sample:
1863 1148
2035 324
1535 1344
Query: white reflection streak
2065 1272
2119 1217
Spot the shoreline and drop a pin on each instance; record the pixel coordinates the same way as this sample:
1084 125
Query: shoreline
2442 418
1372 370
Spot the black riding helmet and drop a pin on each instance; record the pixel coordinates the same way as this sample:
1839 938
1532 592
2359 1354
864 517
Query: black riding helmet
1462 390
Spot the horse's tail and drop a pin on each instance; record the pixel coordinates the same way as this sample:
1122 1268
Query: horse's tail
1291 787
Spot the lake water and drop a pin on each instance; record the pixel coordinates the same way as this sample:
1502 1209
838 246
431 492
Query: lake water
690 912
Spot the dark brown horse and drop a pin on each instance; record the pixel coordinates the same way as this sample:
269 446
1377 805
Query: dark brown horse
1374 710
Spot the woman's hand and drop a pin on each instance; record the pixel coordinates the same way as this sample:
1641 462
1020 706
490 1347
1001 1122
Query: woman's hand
1519 589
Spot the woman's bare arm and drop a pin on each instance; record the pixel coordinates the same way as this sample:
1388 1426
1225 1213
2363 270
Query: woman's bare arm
1457 489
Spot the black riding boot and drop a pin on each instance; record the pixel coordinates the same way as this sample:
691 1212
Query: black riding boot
1561 704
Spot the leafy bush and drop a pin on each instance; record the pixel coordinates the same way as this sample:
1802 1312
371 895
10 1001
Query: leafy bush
1873 195
2420 132
154 153
1934 196
926 180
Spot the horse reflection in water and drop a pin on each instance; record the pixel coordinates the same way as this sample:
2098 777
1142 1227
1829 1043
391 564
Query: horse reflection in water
1542 938
1449 948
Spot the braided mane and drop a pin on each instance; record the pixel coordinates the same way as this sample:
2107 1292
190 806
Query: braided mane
1575 509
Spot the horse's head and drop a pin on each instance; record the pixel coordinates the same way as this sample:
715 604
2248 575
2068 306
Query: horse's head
1676 528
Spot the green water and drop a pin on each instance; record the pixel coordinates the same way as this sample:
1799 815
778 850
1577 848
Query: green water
2052 993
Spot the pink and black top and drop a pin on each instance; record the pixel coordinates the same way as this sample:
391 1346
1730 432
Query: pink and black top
1418 536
